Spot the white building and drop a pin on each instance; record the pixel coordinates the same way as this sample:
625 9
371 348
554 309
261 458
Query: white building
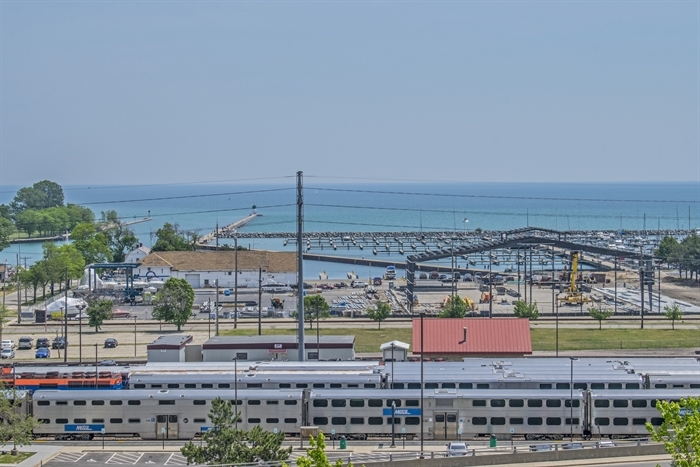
136 255
204 268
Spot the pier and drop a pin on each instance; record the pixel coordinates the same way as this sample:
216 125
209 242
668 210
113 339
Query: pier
227 231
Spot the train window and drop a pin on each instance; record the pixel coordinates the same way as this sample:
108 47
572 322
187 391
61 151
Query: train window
60 421
190 386
694 385
43 403
551 421
353 386
200 420
465 386
516 403
597 385
620 403
254 385
224 385
576 421
319 385
139 386
545 385
614 385
134 420
272 402
412 403
413 385
397 421
338 420
357 421
272 420
166 402
602 421
498 420
61 402
253 420
254 402
312 356
116 402
336 385
318 421
632 386
562 385
431 385
602 403
156 386
553 403
199 402
98 420
338 403
134 402
439 417
516 421
620 421
639 421
285 385
79 420
398 386
116 420
498 402
207 385
98 402
534 421
357 402
567 403
396 401
242 355
173 386
583 386
482 385
534 403
302 385
375 403
45 421
677 385
370 385
655 421
478 403
479 421
448 386
320 403
375 420
79 403
290 420
290 402
238 402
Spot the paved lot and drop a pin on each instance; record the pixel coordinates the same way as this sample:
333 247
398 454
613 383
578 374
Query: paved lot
83 459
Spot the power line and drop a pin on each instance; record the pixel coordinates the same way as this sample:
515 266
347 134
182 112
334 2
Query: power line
163 198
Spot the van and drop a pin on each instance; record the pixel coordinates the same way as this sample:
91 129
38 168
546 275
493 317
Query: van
434 275
25 343
8 344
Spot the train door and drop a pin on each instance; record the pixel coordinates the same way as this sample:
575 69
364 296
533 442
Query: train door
166 427
445 425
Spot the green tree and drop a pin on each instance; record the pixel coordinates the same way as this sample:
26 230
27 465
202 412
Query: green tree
382 312
98 311
316 455
121 240
679 431
6 230
674 313
454 307
315 307
62 263
522 309
41 195
174 303
17 425
600 314
224 444
93 245
171 238
667 246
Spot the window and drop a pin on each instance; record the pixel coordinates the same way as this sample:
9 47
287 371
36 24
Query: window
398 385
412 403
98 402
534 421
516 403
61 420
639 404
479 421
482 385
656 421
190 386
272 402
285 385
312 355
602 421
583 386
478 403
516 421
552 421
166 402
319 385
412 420
465 386
620 421
614 385
272 420
553 403
545 385
118 402
413 385
567 403
290 402
357 421
131 403
449 385
79 403
254 402
199 402
632 386
498 420
200 420
302 385
597 385
431 385
290 420
242 355
396 401
601 403
498 402
357 403
375 420
338 420
134 420
320 403
139 386
338 403
639 421
534 403
98 420
319 421
370 385
64 402
153 386
224 385
253 420
397 421
653 403
116 420
694 386
79 420
660 386
254 386
374 403
568 421
173 385
562 385
43 403
45 421
619 403
207 385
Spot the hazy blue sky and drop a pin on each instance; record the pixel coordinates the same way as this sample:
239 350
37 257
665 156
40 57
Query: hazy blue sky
145 92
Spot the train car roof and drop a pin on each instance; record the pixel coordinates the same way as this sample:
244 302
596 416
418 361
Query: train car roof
254 378
441 393
646 394
169 394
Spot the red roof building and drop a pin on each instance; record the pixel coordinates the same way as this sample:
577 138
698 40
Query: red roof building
485 337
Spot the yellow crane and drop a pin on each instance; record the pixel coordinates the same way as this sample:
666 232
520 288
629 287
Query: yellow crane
573 296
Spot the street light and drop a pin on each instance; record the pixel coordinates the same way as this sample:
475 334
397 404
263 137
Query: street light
80 338
571 397
235 386
392 364
422 315
393 424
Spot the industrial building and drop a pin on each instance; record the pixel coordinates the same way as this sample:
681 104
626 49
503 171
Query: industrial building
282 348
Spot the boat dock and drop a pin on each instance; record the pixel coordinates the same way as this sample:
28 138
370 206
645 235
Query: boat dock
426 267
228 230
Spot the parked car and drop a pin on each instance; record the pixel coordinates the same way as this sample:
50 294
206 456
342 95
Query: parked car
541 447
108 363
43 342
468 277
457 449
7 353
572 446
111 343
605 444
59 343
42 352
8 344
340 285
358 284
25 343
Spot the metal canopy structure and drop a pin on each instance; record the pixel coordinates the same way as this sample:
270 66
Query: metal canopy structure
128 273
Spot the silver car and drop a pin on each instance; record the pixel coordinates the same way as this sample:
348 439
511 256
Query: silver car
457 449
7 353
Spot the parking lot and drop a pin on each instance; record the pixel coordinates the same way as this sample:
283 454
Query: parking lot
120 458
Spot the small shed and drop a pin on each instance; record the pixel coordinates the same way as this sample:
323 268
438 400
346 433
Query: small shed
271 347
168 348
394 351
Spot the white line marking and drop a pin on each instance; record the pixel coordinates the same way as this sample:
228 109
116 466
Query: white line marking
110 458
138 458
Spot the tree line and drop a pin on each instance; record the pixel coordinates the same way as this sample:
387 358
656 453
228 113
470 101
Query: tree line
683 255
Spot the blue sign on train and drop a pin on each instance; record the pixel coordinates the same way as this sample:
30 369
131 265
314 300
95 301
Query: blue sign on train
401 412
84 428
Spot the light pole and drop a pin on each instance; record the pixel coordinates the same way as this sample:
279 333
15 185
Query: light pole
80 331
571 398
235 280
134 336
393 424
235 385
96 372
392 364
422 315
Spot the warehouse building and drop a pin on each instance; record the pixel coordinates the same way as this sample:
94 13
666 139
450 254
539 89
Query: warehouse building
282 348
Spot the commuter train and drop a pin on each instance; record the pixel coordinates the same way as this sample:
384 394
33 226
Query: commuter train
355 413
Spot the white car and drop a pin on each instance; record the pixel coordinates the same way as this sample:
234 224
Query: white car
358 284
8 344
7 353
457 449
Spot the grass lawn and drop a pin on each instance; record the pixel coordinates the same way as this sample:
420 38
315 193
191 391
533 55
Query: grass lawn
10 459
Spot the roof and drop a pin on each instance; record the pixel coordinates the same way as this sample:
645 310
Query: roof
277 342
396 344
506 336
173 342
271 261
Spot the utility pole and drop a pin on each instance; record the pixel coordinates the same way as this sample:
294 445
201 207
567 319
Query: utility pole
216 306
300 268
260 301
235 280
19 293
65 322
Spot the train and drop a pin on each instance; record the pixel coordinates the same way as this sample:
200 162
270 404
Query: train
445 414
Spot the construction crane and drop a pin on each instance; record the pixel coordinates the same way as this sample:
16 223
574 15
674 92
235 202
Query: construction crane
573 295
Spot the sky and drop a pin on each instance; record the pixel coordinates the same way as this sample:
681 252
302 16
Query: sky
124 92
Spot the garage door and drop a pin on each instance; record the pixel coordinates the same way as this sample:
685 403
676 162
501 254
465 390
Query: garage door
193 280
